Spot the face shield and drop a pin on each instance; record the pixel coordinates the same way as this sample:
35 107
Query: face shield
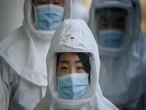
48 14
111 25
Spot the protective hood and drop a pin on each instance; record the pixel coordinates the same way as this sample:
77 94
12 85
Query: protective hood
132 23
74 36
26 49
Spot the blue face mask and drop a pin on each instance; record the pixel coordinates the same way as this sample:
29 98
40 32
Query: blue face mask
111 38
73 86
48 17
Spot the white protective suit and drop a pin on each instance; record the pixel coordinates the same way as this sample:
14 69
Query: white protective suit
123 71
23 55
74 36
3 97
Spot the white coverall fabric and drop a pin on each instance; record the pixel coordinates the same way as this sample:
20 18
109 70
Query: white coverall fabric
3 96
18 93
83 42
122 77
24 51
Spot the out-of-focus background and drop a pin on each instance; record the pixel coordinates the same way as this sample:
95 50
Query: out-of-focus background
11 14
143 23
87 3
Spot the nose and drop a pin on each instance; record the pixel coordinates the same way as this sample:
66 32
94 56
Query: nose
72 70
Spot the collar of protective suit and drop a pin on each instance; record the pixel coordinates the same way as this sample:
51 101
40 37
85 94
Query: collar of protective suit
25 50
74 36
122 78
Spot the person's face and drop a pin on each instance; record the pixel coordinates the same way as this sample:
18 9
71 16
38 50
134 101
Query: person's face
69 63
111 18
55 2
45 2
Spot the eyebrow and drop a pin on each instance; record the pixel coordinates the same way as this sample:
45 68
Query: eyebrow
64 61
78 61
67 62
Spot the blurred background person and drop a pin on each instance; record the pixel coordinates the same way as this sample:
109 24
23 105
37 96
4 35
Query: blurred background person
116 26
23 52
73 71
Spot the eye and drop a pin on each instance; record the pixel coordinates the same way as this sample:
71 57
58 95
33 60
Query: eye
56 3
64 68
119 24
80 69
103 23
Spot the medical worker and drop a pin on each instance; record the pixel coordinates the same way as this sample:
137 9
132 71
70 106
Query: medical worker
73 71
116 26
24 52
